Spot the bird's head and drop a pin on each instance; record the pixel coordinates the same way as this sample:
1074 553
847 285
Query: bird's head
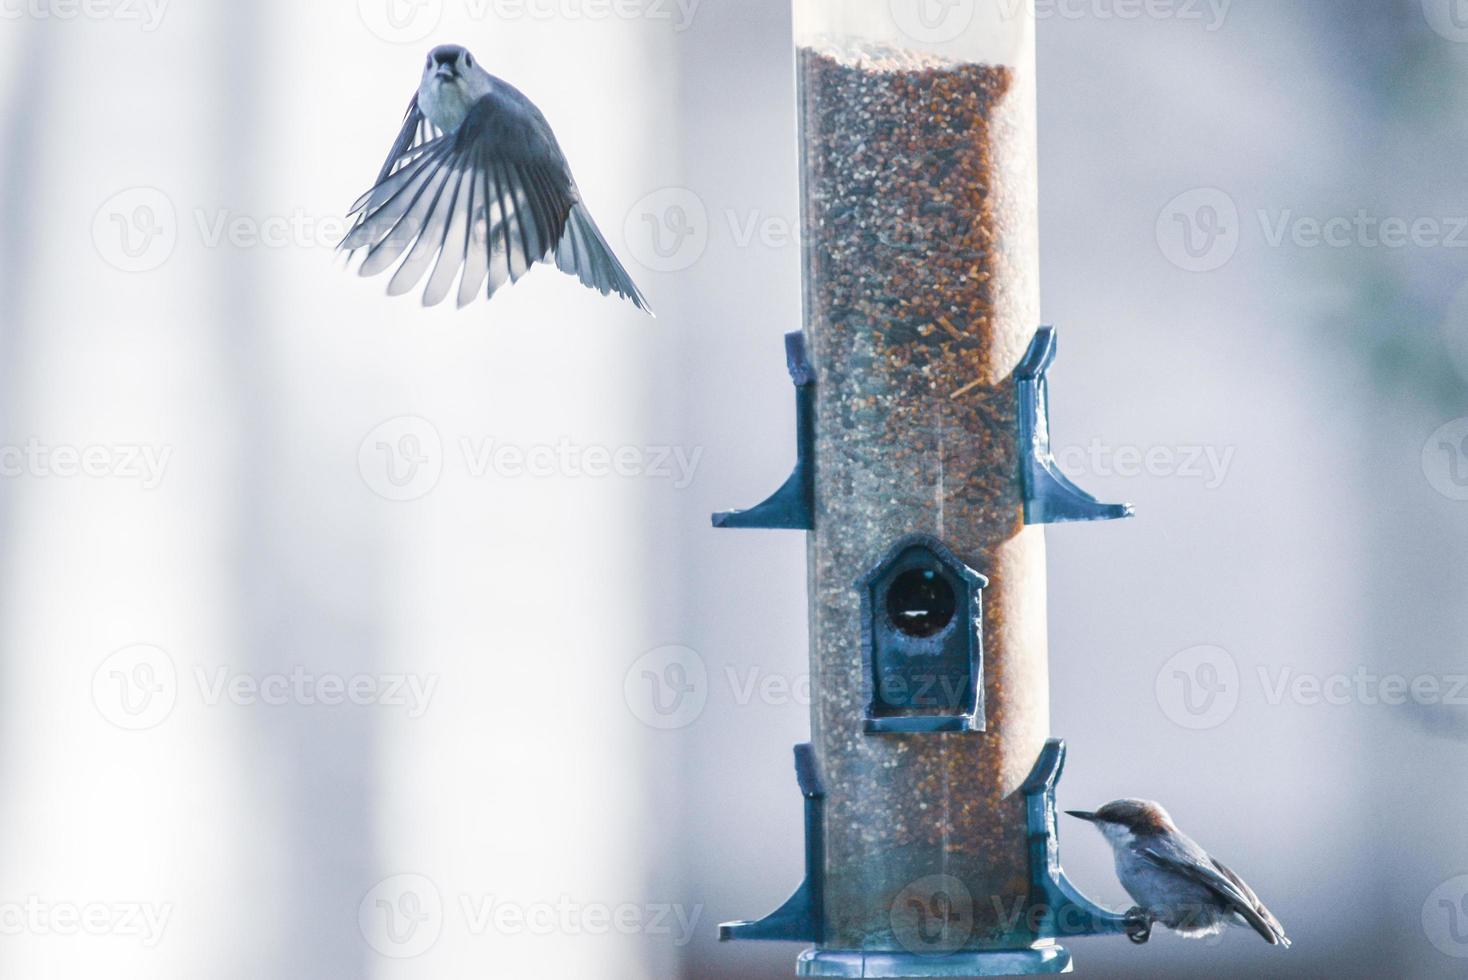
1122 820
452 67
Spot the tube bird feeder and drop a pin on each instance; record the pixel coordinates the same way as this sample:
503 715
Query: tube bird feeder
924 476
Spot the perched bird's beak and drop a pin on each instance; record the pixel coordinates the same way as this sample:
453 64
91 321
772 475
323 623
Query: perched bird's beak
1083 815
445 72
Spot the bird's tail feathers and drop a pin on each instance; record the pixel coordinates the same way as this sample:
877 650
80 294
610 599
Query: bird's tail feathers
585 254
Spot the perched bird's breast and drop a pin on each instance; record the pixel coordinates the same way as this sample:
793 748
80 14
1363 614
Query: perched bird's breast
1156 888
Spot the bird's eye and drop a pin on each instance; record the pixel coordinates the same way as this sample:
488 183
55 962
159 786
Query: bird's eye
469 60
428 62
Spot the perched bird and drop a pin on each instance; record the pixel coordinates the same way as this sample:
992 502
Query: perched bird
476 181
1172 879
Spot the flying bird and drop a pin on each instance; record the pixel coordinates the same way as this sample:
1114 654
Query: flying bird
476 188
1172 879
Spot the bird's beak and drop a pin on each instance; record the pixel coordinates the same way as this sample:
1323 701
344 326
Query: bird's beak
1083 815
445 71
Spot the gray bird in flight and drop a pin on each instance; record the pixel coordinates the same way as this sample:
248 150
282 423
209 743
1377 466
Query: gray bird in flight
477 182
1172 879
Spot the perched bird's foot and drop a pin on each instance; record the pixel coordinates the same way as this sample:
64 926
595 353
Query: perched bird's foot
1138 925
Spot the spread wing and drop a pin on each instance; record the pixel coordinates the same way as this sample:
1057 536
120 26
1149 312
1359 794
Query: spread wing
585 254
1230 889
480 205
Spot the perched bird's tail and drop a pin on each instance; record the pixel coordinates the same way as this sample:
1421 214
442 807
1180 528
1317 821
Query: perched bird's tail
585 254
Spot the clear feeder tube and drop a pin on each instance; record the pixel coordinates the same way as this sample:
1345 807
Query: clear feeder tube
917 134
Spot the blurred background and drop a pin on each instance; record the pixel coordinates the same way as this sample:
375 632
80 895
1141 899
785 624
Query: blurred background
325 619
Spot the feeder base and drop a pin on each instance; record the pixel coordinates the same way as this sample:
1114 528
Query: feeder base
1001 963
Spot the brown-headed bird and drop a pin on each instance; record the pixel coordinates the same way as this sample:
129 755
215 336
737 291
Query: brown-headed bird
1172 879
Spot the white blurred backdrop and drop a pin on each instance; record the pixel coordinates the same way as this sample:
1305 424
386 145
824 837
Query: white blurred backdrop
326 620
